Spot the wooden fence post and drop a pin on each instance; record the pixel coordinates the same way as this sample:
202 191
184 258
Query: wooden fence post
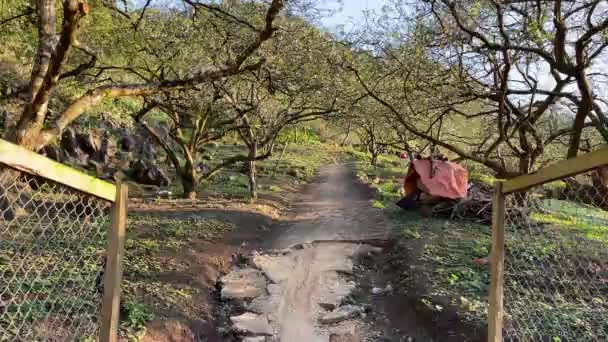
495 312
108 330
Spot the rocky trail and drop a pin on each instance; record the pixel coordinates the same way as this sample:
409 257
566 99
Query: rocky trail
299 290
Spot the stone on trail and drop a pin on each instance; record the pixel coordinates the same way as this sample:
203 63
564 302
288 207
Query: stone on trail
243 284
341 314
251 324
275 268
377 291
264 304
336 289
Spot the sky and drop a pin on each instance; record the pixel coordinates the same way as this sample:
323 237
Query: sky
349 12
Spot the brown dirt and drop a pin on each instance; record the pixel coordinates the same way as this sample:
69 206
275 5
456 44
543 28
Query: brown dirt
335 208
201 264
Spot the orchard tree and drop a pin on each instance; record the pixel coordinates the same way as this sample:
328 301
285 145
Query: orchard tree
487 86
52 62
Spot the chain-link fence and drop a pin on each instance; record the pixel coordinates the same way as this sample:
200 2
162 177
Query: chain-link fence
52 259
556 261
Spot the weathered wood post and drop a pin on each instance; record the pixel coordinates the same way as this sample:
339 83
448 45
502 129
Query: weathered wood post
108 330
497 261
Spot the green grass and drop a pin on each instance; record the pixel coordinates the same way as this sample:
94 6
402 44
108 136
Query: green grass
553 289
299 164
156 245
378 205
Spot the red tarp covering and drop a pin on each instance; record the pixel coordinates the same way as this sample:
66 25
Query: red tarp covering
449 179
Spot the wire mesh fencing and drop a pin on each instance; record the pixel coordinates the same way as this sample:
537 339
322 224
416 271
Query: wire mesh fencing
556 261
52 259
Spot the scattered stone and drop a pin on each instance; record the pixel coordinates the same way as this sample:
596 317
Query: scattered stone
341 314
264 304
338 289
366 250
251 324
377 291
243 284
164 194
276 268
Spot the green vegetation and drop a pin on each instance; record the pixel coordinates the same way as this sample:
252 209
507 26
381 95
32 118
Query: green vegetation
154 248
551 259
194 76
298 164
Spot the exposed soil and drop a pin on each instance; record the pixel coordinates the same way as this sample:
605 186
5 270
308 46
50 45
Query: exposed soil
202 263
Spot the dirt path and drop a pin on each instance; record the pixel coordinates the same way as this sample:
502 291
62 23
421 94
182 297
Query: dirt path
309 269
334 207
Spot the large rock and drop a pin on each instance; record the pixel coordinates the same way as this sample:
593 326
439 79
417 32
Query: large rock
147 173
265 304
341 314
102 154
52 152
276 268
243 284
251 324
126 143
86 143
68 142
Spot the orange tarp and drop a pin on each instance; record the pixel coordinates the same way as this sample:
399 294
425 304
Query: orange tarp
449 179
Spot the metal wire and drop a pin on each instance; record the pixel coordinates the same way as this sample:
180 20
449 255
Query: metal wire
556 263
52 245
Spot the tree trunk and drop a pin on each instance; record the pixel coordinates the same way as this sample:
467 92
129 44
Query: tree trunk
30 124
189 177
253 152
582 113
343 143
276 167
374 161
189 185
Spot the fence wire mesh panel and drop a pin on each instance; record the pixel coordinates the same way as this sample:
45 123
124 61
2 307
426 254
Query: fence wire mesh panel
52 245
556 263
